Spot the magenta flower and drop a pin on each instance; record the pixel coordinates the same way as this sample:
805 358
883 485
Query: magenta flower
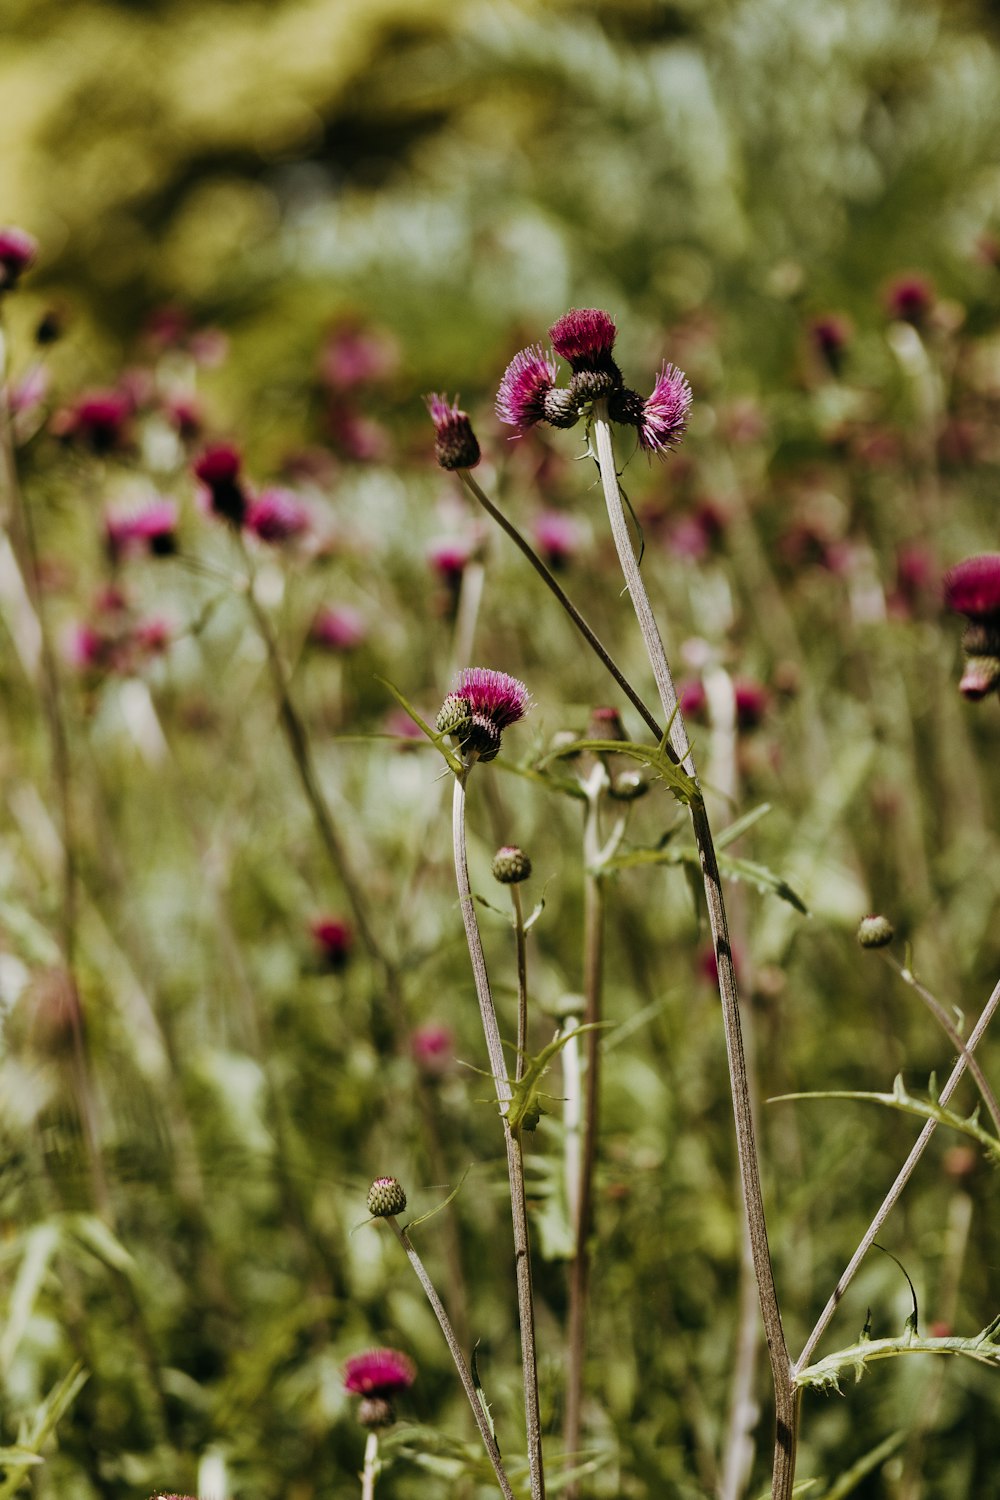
450 558
665 412
910 298
356 356
218 468
379 1372
455 445
830 335
153 529
17 253
278 515
432 1047
184 415
558 537
338 628
752 702
334 939
972 588
501 699
98 421
526 382
585 337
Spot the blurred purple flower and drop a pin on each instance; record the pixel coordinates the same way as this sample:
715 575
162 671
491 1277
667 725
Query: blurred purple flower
378 1372
17 253
277 515
338 627
218 468
98 420
557 536
432 1048
909 298
354 355
972 587
152 529
334 939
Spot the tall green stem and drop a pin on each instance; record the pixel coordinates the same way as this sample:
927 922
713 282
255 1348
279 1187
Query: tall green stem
786 1400
515 1160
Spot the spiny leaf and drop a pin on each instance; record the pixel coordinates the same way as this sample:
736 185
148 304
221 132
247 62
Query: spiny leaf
474 1370
757 875
524 1106
826 1373
907 1103
437 740
683 786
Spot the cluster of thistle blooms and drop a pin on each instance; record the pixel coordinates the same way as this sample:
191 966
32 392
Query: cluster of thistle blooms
529 394
972 589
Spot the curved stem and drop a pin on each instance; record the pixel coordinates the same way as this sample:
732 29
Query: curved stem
556 588
461 1365
902 1178
515 1160
943 1019
786 1401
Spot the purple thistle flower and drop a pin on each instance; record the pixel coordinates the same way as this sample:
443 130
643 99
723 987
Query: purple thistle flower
98 420
153 529
455 445
500 699
334 939
218 469
278 516
910 298
585 337
338 627
665 412
972 588
379 1372
17 253
526 382
558 537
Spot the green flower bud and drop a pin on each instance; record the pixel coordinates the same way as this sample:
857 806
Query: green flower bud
511 865
453 715
385 1197
875 932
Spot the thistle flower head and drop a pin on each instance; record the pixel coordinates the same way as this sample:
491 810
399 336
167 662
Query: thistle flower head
455 445
665 412
333 938
909 298
98 420
585 337
152 529
385 1198
379 1372
218 468
557 535
830 335
526 382
510 865
278 515
972 588
431 1047
17 253
499 698
338 627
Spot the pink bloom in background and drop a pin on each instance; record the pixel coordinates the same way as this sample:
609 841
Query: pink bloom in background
400 726
692 698
665 412
379 1372
218 468
449 557
355 356
17 253
152 636
694 535
455 444
585 337
972 587
557 537
909 298
526 382
752 702
830 335
918 581
357 436
184 415
338 627
98 420
152 529
334 939
278 515
432 1048
89 649
501 699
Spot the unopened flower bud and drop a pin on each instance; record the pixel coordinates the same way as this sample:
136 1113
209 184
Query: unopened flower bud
980 676
627 786
511 865
875 932
627 407
385 1197
455 445
375 1412
453 715
591 385
560 408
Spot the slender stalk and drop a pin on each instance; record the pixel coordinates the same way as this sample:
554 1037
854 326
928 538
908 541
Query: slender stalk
515 1161
902 1178
371 1467
455 1349
301 751
943 1019
593 987
786 1400
556 588
521 953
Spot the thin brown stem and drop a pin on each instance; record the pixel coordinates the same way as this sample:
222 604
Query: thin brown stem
515 1160
521 954
786 1402
902 1178
461 1365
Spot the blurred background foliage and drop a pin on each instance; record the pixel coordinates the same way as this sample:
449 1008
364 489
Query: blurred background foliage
454 177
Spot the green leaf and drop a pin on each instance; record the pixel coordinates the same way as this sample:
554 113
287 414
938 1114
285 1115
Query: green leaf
909 1104
741 826
47 1417
412 1223
437 740
683 786
757 875
826 1373
524 1109
474 1371
852 1477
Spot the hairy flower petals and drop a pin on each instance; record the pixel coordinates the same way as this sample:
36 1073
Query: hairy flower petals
526 382
665 412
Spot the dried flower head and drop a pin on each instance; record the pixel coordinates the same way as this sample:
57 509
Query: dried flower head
17 253
379 1372
455 445
972 588
665 412
526 383
585 337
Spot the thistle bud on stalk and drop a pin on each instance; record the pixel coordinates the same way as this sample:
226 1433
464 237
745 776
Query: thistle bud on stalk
972 589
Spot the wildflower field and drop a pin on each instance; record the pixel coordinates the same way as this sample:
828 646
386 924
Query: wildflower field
500 813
